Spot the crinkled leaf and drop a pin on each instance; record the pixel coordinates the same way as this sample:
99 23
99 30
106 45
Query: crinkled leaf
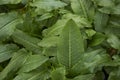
70 46
6 51
27 41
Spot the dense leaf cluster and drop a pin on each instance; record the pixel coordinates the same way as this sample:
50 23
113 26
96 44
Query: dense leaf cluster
59 39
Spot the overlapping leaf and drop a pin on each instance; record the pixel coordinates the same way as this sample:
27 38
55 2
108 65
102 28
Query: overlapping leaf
33 62
15 63
9 2
58 74
59 25
83 7
47 5
8 22
41 73
100 21
91 62
27 41
70 46
6 51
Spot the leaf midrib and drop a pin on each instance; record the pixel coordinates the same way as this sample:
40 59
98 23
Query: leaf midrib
83 8
70 48
8 23
25 41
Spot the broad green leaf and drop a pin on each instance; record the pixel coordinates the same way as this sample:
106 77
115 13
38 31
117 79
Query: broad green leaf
51 51
33 62
79 19
15 63
96 59
6 51
100 21
41 73
9 2
70 45
97 39
84 8
108 6
8 22
105 3
27 41
58 74
91 62
47 5
45 16
49 42
84 77
50 45
59 25
90 32
114 41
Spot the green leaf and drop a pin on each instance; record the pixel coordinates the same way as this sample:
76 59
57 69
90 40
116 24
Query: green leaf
27 41
105 3
45 16
33 62
41 73
114 41
51 51
6 51
84 77
8 22
15 63
47 5
90 32
59 25
58 74
70 45
108 6
49 42
100 21
97 39
91 62
9 2
83 7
